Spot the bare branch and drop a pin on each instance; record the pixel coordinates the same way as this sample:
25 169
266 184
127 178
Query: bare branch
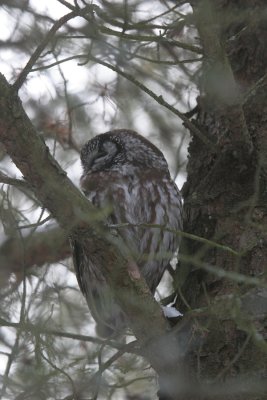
43 247
131 347
36 54
187 123
76 215
19 183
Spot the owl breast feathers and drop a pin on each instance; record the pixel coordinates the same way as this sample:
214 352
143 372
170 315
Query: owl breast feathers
127 177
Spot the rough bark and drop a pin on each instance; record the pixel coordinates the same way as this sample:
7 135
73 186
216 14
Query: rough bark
225 202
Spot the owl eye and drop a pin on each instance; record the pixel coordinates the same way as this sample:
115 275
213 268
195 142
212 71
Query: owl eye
105 156
110 148
102 154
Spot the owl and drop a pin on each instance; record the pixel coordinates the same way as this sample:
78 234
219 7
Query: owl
127 178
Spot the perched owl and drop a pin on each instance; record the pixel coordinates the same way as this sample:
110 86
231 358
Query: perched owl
128 178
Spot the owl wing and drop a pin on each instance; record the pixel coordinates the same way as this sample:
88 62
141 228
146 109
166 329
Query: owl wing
150 200
98 294
135 200
141 200
77 256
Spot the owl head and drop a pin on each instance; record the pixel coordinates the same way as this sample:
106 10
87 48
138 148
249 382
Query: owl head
118 148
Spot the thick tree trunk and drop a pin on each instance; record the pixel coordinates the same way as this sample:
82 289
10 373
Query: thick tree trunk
226 202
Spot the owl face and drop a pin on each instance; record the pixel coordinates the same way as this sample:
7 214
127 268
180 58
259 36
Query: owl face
113 150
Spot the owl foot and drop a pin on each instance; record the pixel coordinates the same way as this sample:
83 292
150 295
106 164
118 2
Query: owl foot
171 312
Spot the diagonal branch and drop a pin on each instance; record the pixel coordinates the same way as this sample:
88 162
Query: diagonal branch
38 51
76 215
47 39
66 203
159 99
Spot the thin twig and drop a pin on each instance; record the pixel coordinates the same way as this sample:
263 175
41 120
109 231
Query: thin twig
188 124
15 348
41 68
8 366
61 371
27 327
234 360
178 233
122 35
151 39
252 91
36 224
221 273
125 349
144 24
13 181
38 51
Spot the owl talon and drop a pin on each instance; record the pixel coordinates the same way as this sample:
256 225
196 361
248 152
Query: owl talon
171 312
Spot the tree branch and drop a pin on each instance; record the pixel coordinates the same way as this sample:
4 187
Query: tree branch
49 36
38 51
43 247
159 99
76 215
